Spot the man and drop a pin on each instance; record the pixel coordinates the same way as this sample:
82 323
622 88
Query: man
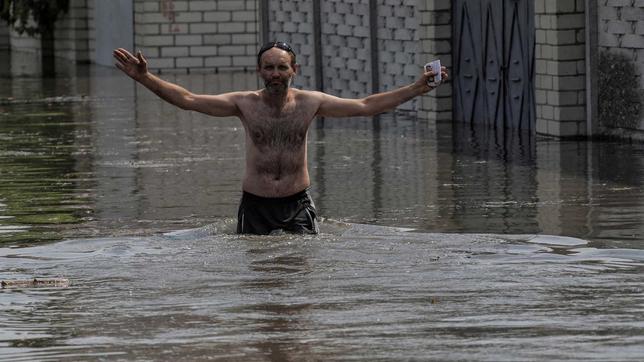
276 120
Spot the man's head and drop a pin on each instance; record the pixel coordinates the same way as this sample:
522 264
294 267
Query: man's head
276 44
276 66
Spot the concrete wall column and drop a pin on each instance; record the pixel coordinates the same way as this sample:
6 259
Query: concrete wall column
113 29
560 68
436 41
592 121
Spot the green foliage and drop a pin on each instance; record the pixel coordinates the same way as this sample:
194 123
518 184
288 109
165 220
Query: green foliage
17 13
619 99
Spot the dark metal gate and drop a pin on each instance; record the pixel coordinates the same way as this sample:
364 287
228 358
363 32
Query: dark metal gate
494 63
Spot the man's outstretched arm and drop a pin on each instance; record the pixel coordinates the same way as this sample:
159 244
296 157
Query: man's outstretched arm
331 106
136 67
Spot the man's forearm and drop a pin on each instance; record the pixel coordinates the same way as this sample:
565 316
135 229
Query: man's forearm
386 101
167 91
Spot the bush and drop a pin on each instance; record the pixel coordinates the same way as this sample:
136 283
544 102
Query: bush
619 99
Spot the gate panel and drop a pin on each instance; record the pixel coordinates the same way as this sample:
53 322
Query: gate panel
494 62
493 50
467 65
519 42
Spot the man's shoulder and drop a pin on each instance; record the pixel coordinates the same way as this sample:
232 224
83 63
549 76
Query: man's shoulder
304 94
304 91
245 96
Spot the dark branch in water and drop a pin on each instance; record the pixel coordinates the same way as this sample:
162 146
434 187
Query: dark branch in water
35 282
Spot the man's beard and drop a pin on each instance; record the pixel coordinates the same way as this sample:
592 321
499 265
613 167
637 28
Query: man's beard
277 88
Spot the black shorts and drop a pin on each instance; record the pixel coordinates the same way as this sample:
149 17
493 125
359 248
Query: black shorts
261 215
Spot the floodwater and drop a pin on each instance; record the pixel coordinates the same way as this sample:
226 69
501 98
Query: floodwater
438 242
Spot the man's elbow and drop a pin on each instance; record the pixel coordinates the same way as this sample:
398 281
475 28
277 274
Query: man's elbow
185 102
183 106
370 109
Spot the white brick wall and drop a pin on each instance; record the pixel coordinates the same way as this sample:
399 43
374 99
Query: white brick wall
196 35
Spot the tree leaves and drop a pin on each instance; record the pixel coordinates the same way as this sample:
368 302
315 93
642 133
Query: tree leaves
34 17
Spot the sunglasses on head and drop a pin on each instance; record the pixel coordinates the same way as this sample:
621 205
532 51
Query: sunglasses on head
275 44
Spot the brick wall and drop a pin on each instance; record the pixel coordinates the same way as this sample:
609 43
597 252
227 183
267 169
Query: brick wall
72 33
184 36
346 47
560 67
346 52
292 21
621 29
398 45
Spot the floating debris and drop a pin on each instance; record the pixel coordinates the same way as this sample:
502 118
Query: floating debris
35 282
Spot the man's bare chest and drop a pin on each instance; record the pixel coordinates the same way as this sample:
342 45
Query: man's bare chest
273 130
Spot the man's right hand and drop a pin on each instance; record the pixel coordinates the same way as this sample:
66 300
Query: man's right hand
135 67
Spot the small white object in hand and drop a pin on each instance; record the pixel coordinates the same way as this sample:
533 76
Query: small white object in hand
436 67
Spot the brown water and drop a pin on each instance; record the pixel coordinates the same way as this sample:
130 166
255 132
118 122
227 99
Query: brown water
438 243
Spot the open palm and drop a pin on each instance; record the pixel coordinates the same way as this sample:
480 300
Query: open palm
134 66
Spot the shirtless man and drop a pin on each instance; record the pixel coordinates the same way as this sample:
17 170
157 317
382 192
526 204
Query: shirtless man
276 120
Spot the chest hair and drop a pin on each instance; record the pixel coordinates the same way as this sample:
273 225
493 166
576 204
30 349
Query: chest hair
278 131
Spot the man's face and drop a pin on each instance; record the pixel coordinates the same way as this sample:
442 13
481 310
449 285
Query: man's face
276 70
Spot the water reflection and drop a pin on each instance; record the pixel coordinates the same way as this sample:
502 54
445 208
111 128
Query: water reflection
493 182
279 271
374 170
42 167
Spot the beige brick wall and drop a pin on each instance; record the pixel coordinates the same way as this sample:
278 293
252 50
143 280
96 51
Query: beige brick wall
560 67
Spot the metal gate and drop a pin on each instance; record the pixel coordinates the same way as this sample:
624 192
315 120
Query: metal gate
494 63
